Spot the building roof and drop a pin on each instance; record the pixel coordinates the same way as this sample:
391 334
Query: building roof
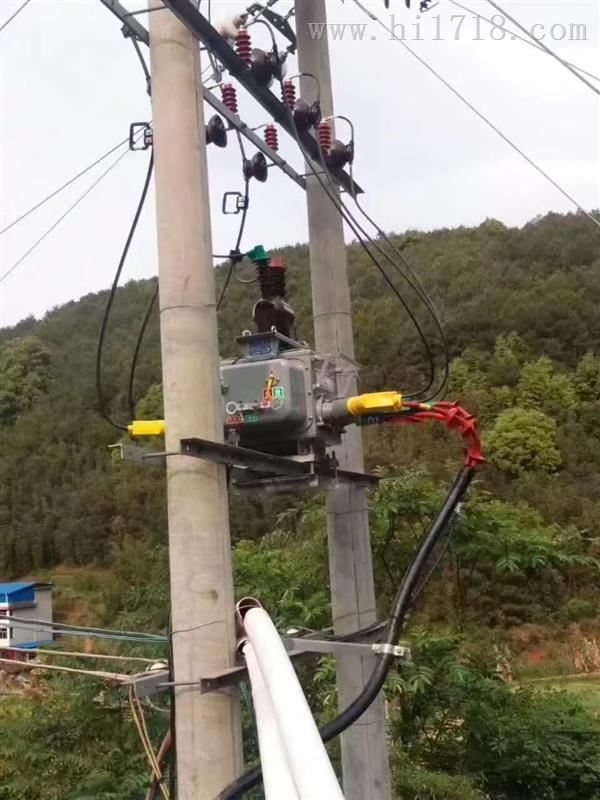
19 591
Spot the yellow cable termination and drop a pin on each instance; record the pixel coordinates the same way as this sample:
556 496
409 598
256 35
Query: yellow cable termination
376 401
146 427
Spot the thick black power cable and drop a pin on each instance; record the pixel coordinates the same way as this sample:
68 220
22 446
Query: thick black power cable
235 256
356 229
101 399
131 403
405 597
423 296
142 61
411 278
142 331
64 186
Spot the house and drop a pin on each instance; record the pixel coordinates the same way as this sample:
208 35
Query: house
27 600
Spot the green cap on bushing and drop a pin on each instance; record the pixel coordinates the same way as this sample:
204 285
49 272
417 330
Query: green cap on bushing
257 253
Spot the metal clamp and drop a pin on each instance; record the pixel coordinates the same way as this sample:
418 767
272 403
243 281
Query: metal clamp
146 140
239 204
384 649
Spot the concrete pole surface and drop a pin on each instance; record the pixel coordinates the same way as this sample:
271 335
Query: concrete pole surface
364 746
208 738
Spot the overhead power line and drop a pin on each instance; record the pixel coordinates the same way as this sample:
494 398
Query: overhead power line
62 217
73 654
10 19
64 186
92 673
544 47
480 114
80 630
532 42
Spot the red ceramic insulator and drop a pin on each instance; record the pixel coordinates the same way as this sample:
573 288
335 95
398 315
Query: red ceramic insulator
229 94
272 136
325 136
243 45
288 92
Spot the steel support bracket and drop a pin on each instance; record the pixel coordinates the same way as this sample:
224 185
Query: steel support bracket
258 468
149 683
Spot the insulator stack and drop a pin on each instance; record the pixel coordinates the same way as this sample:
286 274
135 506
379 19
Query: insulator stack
271 278
243 45
272 136
278 277
288 94
325 136
229 94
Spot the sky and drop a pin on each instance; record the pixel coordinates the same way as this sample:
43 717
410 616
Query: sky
70 85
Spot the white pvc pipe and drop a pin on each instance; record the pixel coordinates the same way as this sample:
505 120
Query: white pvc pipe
277 777
311 768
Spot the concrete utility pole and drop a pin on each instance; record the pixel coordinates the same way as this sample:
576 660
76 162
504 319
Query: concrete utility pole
364 746
207 725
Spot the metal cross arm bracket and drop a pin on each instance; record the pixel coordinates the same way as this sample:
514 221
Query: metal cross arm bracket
151 682
266 464
137 30
213 41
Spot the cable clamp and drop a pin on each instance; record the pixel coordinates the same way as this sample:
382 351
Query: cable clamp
140 136
397 650
239 203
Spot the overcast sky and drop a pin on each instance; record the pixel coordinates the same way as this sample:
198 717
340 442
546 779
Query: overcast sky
70 85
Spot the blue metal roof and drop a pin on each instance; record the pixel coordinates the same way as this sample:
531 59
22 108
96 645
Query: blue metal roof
15 586
17 592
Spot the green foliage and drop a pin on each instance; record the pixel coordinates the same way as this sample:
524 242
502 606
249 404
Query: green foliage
510 353
523 439
452 713
541 387
521 315
415 782
587 378
151 404
25 375
71 739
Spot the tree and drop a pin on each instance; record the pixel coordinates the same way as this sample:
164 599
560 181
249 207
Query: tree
541 387
587 379
25 375
523 439
451 712
510 353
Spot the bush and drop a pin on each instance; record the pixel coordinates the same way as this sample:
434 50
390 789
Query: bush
413 782
454 714
578 609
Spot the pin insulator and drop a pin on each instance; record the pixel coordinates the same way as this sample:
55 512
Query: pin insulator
325 136
229 94
243 45
288 94
272 136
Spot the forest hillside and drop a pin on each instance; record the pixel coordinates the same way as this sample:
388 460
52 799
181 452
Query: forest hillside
513 598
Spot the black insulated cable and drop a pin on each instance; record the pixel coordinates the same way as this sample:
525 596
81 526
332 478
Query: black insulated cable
358 230
410 586
235 256
113 289
131 403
